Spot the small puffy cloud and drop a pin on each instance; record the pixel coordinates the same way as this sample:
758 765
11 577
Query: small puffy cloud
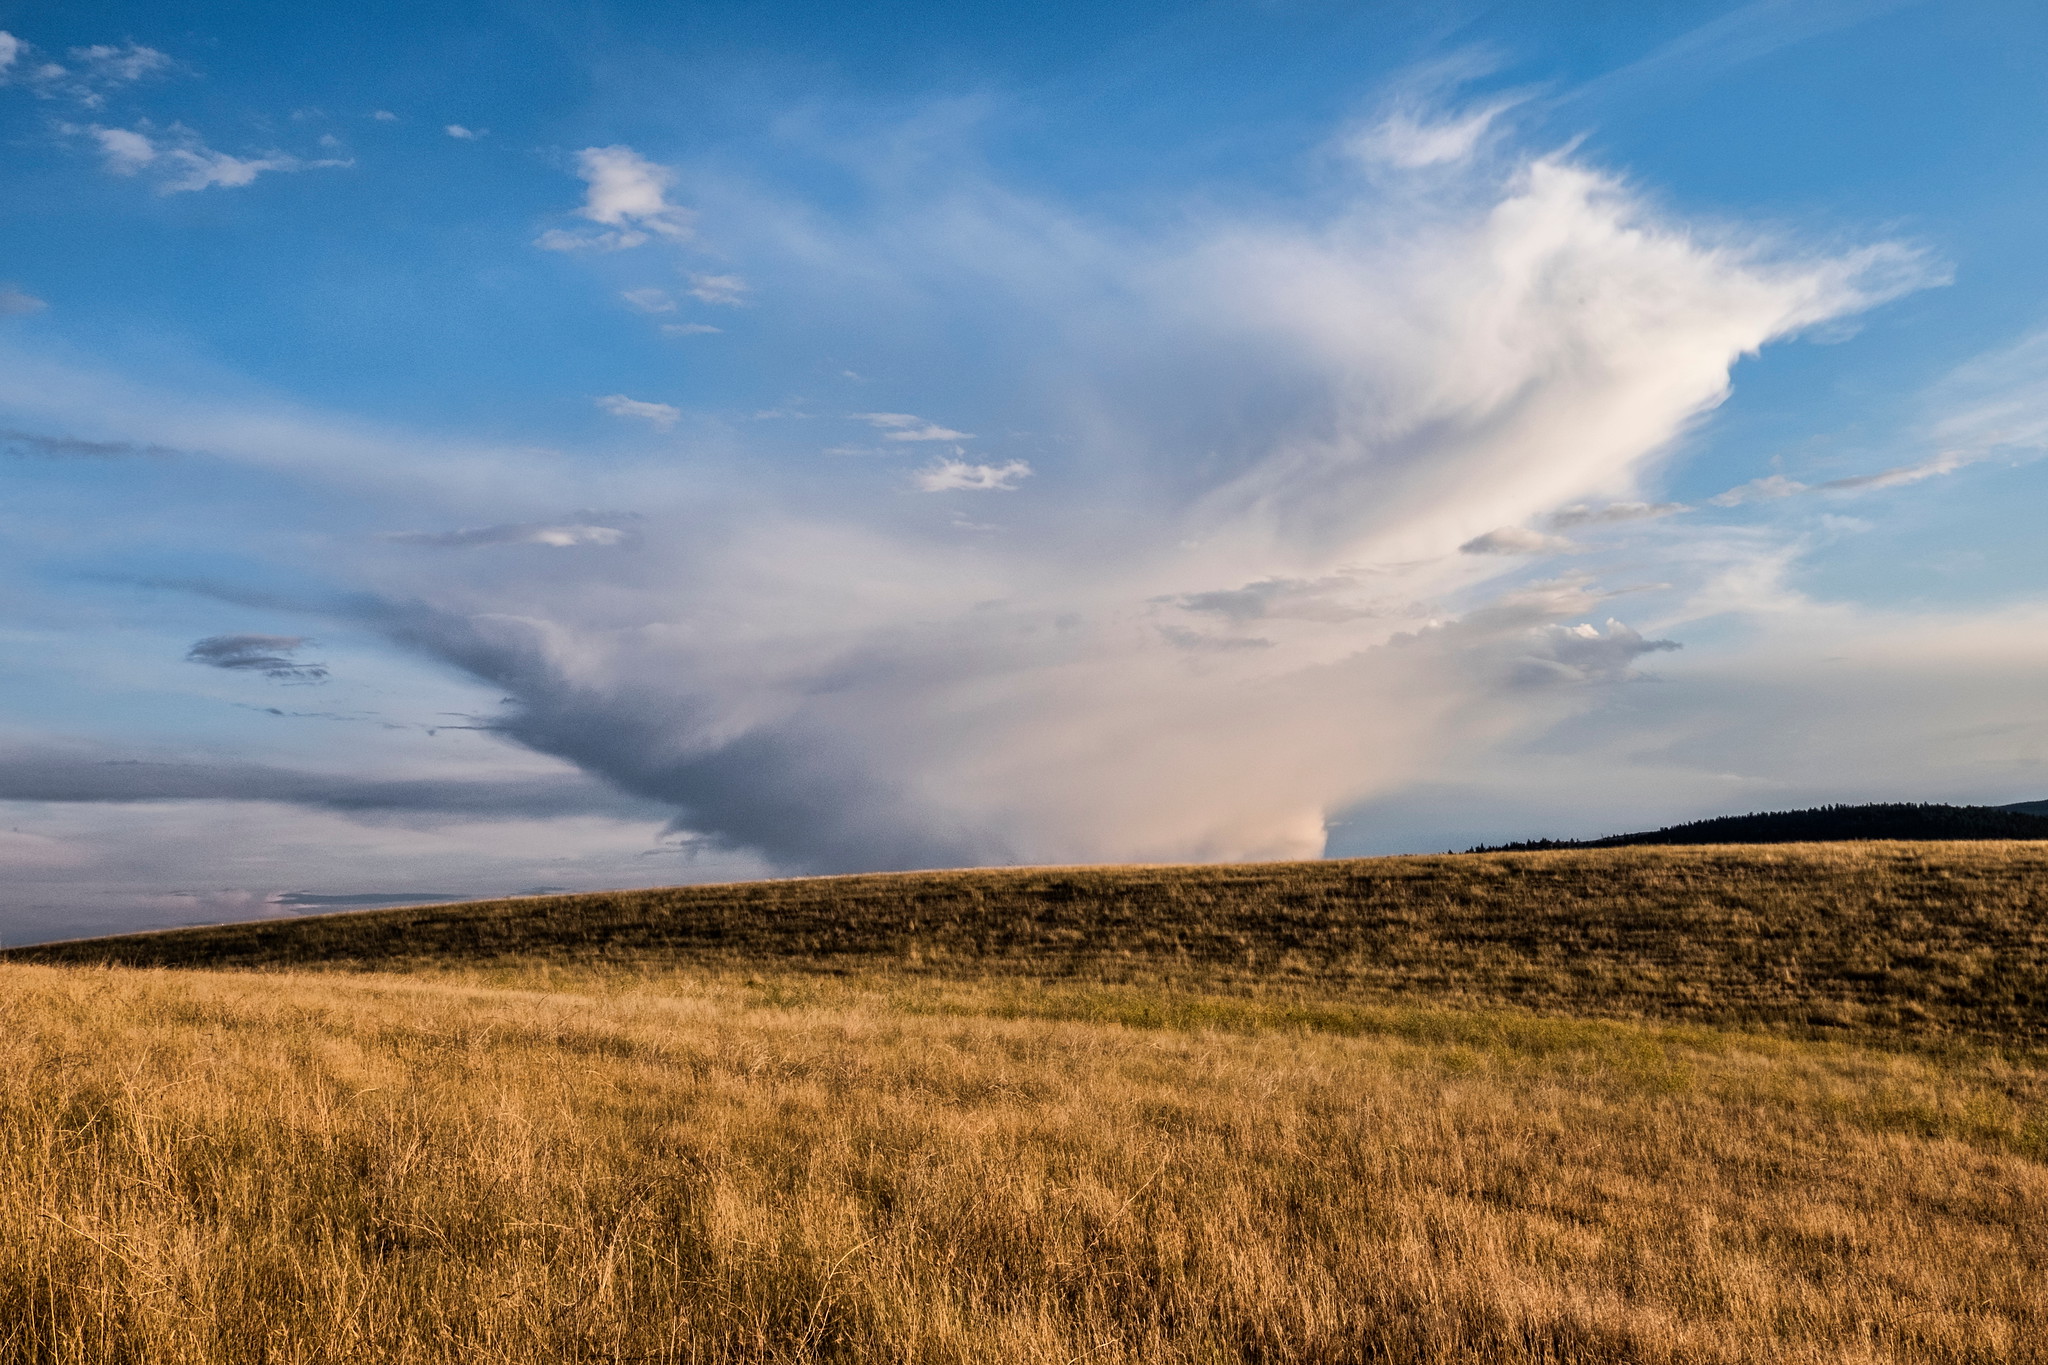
903 426
126 152
1583 514
649 300
559 535
689 329
1767 489
950 476
110 65
729 290
1516 540
384 116
15 303
270 655
462 134
181 160
662 415
93 71
628 197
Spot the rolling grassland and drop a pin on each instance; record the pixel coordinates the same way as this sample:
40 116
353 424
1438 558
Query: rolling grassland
1918 938
1325 1113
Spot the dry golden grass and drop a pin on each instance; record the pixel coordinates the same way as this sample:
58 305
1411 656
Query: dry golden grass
702 1165
1926 939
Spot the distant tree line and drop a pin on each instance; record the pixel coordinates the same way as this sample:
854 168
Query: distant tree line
1821 824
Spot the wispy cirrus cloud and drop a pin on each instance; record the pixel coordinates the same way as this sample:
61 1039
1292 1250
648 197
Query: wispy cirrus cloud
73 448
904 426
1607 514
648 300
953 476
179 161
558 535
728 290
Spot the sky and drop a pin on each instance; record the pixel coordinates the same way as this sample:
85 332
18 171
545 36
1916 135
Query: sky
457 450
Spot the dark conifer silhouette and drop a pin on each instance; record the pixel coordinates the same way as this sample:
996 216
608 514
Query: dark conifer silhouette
1827 824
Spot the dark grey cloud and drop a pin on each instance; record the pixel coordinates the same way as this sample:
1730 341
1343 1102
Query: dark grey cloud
1516 540
71 447
1298 599
72 776
270 655
1586 653
788 790
1606 514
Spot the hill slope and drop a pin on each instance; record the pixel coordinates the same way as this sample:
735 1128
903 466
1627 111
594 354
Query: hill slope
1922 938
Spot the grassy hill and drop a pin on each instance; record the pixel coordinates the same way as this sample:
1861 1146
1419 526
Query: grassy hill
1940 938
1666 1106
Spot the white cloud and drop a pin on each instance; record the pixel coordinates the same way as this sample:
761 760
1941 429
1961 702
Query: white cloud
1414 138
903 426
948 476
94 70
689 329
1516 540
1292 423
628 196
384 116
660 414
462 134
729 290
15 302
126 152
109 65
180 161
649 300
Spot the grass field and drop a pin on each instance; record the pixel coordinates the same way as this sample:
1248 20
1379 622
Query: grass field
1698 1105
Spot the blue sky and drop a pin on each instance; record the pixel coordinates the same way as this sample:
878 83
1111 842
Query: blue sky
456 450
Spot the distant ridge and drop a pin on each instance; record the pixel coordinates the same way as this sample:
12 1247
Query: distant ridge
1828 824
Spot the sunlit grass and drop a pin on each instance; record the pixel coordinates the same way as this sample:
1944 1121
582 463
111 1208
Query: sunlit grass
727 1165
